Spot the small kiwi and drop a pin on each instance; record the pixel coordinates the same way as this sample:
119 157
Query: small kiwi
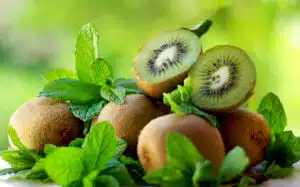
152 140
131 117
223 78
43 121
163 61
248 130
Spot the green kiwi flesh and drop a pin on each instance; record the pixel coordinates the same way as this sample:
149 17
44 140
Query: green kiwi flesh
223 78
167 55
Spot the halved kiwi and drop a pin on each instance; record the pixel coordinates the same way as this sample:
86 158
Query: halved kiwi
163 62
222 79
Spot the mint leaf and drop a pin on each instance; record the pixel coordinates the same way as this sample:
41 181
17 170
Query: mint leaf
64 165
7 171
17 142
204 172
106 181
99 146
37 172
88 111
115 95
75 91
167 177
134 168
272 110
234 163
49 148
245 181
77 142
285 150
129 85
121 147
18 159
101 72
178 147
119 171
275 171
56 74
86 51
179 101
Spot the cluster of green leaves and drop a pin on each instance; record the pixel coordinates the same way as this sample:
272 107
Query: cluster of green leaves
92 161
284 149
194 170
180 102
93 85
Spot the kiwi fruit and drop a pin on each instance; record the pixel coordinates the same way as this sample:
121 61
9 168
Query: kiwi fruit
131 117
152 140
164 61
222 79
43 121
248 130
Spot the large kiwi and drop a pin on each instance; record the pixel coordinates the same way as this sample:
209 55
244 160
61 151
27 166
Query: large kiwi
248 130
163 61
131 117
43 121
223 78
152 140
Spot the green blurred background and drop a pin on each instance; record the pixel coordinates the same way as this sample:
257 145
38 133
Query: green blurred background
37 35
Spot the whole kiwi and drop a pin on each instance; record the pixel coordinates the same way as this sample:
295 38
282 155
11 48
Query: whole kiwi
152 140
248 130
43 121
131 117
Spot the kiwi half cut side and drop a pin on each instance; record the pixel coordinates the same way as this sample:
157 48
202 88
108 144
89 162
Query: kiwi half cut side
223 78
163 61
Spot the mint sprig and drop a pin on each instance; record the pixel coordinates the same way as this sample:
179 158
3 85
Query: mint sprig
180 103
195 170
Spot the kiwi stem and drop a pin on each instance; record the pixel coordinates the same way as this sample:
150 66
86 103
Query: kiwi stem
202 28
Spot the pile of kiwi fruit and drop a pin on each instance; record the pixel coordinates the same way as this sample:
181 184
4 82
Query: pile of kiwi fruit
223 78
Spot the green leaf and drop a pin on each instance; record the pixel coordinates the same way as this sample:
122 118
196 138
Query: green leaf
179 101
86 51
119 171
204 172
115 95
106 181
37 172
75 91
88 111
56 74
129 85
18 159
121 147
49 148
285 150
64 165
167 177
7 171
77 142
235 162
275 171
101 72
134 168
99 146
178 147
245 181
272 110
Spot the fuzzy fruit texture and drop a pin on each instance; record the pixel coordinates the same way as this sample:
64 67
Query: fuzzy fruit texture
152 140
131 117
43 121
248 130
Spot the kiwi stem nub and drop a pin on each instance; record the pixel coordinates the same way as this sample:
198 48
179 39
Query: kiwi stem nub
202 28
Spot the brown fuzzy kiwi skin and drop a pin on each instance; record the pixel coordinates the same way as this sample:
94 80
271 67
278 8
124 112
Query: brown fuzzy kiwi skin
131 117
43 121
248 130
152 140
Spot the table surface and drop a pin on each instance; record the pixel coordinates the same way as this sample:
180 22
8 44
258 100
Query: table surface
292 181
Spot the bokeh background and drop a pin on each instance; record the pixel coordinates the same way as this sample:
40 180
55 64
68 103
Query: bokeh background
37 35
